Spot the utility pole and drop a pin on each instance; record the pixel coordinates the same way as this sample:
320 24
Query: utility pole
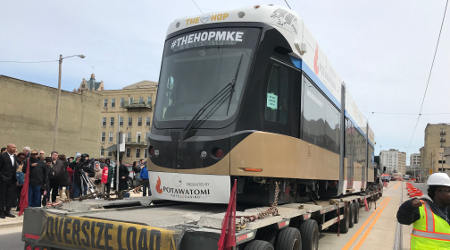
58 98
55 129
118 153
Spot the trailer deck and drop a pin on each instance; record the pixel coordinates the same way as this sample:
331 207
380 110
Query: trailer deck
136 223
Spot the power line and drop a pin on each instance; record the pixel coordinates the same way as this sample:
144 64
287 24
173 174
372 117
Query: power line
429 75
198 7
43 61
411 114
287 4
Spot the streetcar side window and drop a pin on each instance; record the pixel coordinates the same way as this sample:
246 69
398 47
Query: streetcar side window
277 99
320 118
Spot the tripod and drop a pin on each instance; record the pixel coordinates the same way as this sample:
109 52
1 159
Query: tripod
91 191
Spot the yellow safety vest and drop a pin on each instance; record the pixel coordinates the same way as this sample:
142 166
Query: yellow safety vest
430 231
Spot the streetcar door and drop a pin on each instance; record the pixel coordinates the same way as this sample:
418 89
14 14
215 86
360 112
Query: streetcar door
349 153
282 99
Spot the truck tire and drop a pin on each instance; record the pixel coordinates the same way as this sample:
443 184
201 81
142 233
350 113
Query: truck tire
259 245
351 214
343 225
356 214
310 235
289 238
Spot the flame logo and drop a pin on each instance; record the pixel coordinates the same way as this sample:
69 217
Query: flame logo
316 58
158 186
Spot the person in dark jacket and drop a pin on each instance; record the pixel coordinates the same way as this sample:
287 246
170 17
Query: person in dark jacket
61 178
81 168
48 168
8 166
123 176
38 180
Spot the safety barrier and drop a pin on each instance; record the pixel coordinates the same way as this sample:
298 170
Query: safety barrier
413 191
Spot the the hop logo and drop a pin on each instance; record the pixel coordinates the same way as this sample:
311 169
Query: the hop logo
316 58
158 186
174 43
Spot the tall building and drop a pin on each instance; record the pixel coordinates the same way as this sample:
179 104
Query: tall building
415 164
27 114
414 160
129 111
437 142
393 160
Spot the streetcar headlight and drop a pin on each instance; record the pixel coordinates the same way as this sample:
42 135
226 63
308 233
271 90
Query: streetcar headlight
218 152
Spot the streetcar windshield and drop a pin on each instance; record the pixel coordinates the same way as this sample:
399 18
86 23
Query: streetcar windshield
195 67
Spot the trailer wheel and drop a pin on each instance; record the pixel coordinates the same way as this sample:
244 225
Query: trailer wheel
351 214
356 214
289 239
310 235
259 245
344 224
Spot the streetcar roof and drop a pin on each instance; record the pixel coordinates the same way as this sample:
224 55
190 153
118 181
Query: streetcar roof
301 41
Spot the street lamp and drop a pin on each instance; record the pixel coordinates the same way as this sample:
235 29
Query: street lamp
55 131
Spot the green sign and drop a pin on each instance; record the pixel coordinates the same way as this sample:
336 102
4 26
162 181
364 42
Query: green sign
272 101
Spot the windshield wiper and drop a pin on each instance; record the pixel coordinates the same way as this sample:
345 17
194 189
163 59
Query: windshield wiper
215 102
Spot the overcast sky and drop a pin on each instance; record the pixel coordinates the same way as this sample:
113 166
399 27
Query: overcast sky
381 49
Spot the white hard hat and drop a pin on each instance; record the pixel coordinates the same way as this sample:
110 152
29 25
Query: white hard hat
439 179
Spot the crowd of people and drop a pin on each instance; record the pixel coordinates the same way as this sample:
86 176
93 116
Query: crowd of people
60 177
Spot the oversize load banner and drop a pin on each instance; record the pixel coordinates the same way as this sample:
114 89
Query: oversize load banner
190 187
86 233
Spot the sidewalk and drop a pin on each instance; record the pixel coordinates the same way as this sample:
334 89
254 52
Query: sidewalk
12 222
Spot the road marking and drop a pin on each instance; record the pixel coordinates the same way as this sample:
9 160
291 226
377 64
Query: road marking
361 229
366 233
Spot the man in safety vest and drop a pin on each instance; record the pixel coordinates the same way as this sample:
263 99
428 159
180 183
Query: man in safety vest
430 218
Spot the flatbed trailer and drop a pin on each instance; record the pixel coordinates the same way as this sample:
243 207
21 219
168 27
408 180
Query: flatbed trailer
136 223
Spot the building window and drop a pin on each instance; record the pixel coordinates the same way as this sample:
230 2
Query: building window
129 137
141 100
121 121
145 152
138 137
110 136
112 121
122 102
113 102
102 151
130 121
130 100
138 152
109 153
139 121
147 121
104 122
128 152
105 103
103 136
149 100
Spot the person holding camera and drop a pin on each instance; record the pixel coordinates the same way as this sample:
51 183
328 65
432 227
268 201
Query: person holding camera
82 167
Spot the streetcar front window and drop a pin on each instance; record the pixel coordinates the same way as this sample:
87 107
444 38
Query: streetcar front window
191 75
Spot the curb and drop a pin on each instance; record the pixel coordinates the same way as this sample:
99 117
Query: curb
11 224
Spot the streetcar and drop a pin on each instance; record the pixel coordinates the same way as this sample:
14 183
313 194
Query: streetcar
248 95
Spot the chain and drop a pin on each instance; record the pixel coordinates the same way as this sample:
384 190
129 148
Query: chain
271 211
